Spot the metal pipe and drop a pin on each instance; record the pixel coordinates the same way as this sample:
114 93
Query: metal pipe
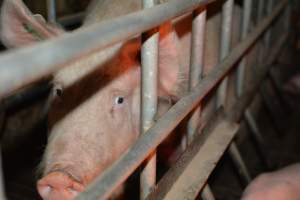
239 162
207 193
195 75
2 191
245 30
269 32
227 13
23 66
196 65
103 185
260 16
149 57
51 10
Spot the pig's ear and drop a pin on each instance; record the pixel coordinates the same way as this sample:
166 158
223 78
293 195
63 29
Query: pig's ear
20 27
171 72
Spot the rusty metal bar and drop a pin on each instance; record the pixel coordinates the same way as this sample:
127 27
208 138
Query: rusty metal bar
103 185
23 66
149 57
51 10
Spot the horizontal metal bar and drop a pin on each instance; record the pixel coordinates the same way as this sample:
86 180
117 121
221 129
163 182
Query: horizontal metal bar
25 65
103 185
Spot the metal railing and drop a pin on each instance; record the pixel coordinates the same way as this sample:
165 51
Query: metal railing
23 66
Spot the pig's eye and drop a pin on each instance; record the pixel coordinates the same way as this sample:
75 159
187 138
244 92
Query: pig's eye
119 100
57 91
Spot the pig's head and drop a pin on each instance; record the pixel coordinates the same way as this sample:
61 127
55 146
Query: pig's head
96 118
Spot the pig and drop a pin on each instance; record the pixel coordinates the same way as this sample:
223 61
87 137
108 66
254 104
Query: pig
94 114
89 130
282 184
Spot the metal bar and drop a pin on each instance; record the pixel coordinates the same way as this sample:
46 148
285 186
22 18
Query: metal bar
103 185
2 191
269 32
165 184
227 13
149 55
196 65
51 10
240 82
22 66
195 174
243 102
207 194
269 105
195 75
245 30
239 162
260 16
222 90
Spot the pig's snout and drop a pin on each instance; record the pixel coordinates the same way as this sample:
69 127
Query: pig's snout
57 186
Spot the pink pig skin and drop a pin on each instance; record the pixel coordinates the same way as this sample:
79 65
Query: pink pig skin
283 184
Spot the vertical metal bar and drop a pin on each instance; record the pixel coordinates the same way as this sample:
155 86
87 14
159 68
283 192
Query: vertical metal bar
269 32
195 75
197 52
149 79
260 16
207 194
2 192
227 13
239 163
51 10
245 31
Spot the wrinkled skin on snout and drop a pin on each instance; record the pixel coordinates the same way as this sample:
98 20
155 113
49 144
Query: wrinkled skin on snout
94 117
283 184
